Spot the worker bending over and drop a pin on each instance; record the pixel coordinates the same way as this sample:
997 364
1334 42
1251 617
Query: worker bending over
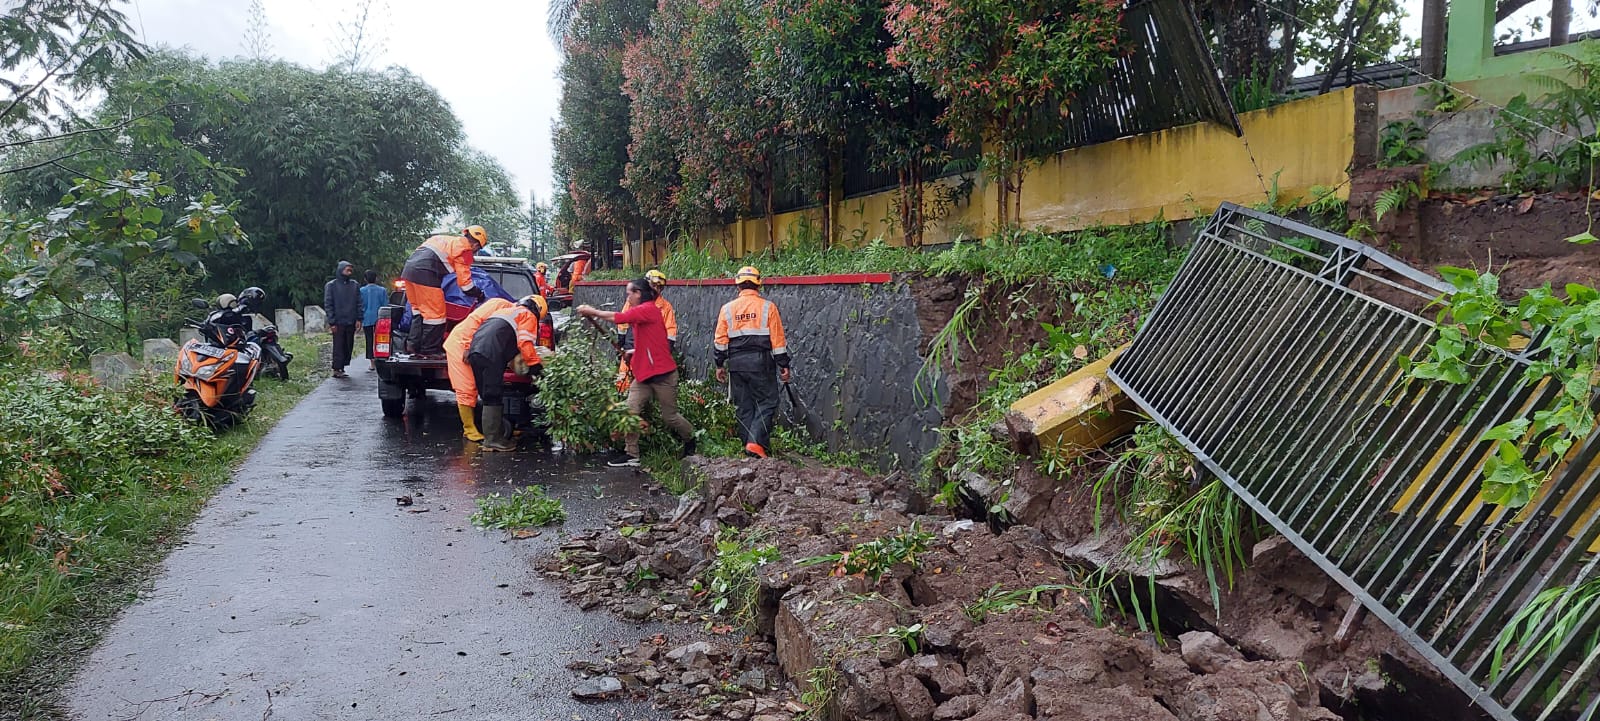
749 346
504 337
455 353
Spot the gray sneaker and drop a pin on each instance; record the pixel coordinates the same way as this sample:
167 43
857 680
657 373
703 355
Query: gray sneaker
624 462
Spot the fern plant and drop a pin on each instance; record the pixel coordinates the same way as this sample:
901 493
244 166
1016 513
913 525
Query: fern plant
1550 142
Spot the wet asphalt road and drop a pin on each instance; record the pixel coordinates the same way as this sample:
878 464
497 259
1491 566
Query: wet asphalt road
305 592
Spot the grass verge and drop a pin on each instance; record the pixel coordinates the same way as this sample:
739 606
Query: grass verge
99 490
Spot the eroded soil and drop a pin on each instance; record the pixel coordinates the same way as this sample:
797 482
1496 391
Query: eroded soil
937 640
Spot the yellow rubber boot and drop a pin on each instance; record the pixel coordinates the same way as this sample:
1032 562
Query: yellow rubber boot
468 427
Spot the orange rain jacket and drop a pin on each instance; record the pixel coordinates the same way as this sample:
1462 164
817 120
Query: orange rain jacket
491 341
439 256
750 335
455 350
669 318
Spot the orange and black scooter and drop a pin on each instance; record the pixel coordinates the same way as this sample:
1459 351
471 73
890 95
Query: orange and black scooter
216 371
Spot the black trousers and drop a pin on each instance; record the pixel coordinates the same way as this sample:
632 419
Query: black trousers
344 343
490 376
369 330
755 400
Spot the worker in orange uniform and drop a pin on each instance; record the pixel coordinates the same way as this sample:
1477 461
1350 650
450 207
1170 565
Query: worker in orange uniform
424 274
578 269
504 336
669 318
749 346
455 353
540 270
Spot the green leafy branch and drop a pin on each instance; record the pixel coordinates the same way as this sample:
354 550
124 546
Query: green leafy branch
1567 333
875 559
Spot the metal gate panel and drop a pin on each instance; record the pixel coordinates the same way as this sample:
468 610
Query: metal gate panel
1274 357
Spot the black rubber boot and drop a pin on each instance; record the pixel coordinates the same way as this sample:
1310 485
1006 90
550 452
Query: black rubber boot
414 335
432 345
495 437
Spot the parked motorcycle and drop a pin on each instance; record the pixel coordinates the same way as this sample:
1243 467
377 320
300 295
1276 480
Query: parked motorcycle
217 371
253 300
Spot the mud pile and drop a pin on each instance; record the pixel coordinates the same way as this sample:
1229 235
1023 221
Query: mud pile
982 626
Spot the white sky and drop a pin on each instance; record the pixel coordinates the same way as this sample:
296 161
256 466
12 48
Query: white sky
490 59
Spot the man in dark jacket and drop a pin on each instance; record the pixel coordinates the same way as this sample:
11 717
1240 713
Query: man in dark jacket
341 299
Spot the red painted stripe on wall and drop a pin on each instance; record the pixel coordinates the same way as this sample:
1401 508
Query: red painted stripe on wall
843 278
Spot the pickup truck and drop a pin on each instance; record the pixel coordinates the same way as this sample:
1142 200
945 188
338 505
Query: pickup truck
400 375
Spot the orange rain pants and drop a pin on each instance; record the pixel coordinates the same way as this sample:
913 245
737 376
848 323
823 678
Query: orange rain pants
427 301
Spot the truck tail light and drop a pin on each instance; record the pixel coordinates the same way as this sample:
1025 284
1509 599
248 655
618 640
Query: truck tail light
380 339
399 284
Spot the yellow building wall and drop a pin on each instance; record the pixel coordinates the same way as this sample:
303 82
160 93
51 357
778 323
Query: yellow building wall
1187 172
1175 174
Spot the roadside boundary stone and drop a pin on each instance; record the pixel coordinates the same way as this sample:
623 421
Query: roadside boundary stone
160 353
113 370
316 319
289 322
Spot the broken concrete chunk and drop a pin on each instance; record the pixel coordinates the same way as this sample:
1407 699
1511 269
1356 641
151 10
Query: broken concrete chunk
597 688
912 702
753 680
694 655
638 609
1206 652
959 707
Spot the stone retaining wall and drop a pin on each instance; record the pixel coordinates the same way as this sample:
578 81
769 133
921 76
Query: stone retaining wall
855 343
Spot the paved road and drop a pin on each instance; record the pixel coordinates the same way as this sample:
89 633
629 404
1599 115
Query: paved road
305 592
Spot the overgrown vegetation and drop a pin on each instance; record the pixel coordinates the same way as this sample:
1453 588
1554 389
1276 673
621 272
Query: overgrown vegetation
95 484
1155 488
1103 280
1566 328
1549 142
524 508
732 581
1563 608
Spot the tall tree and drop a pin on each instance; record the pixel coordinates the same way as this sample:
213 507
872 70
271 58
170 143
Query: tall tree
827 63
998 63
335 164
1261 44
743 127
52 54
591 140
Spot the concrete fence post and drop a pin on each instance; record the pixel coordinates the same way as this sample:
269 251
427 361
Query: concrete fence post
113 370
316 319
289 322
160 353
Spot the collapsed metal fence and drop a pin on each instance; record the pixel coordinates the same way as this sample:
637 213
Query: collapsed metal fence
1274 357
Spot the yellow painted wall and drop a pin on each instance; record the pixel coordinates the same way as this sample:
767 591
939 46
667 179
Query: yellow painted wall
1189 171
1175 174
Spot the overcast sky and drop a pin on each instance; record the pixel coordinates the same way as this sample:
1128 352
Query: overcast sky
490 59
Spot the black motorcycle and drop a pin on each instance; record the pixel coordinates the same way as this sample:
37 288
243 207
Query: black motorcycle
252 300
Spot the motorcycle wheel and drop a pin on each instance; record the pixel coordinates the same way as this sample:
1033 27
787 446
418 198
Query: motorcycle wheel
190 407
282 369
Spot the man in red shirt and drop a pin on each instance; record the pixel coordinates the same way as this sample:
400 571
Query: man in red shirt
655 374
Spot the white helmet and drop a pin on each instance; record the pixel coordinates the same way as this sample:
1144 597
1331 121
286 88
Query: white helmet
226 300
